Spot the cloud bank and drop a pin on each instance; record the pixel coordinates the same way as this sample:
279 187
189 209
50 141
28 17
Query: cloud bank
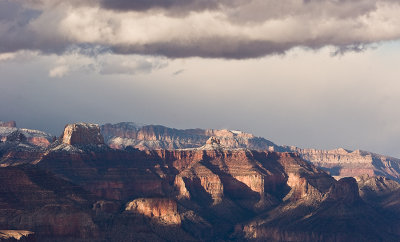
204 28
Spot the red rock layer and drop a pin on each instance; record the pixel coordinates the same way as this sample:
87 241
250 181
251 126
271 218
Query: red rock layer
162 209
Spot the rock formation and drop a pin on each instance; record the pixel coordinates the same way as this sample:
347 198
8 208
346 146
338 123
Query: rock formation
342 163
82 134
346 189
122 135
9 124
49 206
16 136
34 137
17 235
339 162
163 209
76 188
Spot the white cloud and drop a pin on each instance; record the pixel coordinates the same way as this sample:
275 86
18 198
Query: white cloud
207 29
7 56
59 71
106 63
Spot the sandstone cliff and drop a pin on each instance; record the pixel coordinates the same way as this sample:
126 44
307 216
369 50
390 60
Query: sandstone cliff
159 137
340 216
82 134
342 163
216 191
338 162
163 209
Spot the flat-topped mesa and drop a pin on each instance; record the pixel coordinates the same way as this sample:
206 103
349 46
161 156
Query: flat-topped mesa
9 124
82 134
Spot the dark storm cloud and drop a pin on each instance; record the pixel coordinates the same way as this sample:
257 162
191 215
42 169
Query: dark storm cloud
203 28
171 5
209 48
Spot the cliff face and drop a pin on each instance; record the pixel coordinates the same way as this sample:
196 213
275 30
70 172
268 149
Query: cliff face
342 212
338 162
76 187
159 137
49 206
342 163
82 134
81 156
163 209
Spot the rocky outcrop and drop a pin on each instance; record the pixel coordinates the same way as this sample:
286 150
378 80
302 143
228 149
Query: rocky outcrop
341 162
9 124
82 134
152 137
200 193
33 137
17 235
346 189
340 216
163 209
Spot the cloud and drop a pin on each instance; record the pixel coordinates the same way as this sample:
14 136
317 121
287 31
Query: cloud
7 56
172 6
110 65
58 71
96 62
203 28
178 72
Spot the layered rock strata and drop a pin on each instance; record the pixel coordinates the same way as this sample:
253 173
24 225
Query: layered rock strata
152 137
342 162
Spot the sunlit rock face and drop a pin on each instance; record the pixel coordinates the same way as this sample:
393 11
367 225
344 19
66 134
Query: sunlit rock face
17 235
341 162
150 137
82 134
163 209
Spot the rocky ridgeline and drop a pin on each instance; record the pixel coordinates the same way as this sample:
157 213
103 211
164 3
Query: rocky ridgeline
152 137
211 192
33 137
341 162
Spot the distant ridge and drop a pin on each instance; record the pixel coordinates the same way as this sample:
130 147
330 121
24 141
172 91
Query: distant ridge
339 162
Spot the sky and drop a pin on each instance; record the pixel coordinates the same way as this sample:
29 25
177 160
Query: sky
310 73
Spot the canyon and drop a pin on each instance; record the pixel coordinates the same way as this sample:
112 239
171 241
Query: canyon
190 185
338 162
